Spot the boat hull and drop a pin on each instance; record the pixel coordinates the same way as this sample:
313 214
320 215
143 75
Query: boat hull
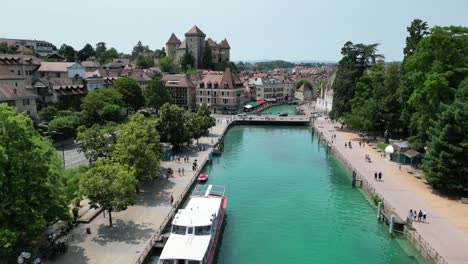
218 232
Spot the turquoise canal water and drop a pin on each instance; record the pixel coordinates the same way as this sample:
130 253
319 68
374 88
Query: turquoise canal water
288 202
279 109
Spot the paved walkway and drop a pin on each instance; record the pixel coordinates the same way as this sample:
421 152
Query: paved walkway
404 192
123 243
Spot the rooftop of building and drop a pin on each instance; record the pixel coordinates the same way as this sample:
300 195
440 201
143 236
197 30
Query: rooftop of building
8 93
195 31
177 80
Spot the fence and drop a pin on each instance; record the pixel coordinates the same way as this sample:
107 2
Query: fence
156 236
423 247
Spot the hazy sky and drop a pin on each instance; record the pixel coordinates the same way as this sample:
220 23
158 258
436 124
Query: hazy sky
256 29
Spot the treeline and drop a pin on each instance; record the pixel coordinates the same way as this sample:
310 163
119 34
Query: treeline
424 98
123 149
264 66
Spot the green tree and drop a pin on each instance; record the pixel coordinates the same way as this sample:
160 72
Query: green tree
435 70
144 62
172 125
68 52
86 52
207 60
131 92
206 121
156 94
160 53
71 181
356 59
445 163
102 105
187 60
47 114
138 147
101 52
109 185
97 141
417 31
31 190
6 49
65 125
139 48
167 65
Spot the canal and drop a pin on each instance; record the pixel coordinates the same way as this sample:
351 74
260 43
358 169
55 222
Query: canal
279 109
290 202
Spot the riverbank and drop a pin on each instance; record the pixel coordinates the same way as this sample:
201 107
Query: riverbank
137 227
444 232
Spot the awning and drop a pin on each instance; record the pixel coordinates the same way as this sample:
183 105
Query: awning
248 106
253 104
260 102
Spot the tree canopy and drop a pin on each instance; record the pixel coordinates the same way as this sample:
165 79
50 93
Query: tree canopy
167 64
207 60
187 61
131 92
445 163
156 94
68 52
97 141
86 52
172 125
102 105
138 147
7 49
109 185
31 189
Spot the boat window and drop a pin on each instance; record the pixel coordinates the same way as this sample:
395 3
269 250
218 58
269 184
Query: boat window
190 230
180 230
193 262
167 261
202 230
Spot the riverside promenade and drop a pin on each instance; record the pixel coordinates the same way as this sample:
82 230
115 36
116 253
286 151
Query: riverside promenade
128 240
446 230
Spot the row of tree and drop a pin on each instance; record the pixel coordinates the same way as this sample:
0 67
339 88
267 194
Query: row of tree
416 98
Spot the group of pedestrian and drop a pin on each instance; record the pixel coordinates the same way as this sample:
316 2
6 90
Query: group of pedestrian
169 173
194 165
417 216
383 155
362 143
378 176
201 148
348 144
181 171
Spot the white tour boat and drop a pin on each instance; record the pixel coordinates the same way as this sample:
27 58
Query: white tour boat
196 229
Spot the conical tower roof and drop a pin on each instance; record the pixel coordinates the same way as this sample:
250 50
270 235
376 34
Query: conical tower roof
224 44
173 39
195 31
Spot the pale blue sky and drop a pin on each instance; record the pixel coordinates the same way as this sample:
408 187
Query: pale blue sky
256 29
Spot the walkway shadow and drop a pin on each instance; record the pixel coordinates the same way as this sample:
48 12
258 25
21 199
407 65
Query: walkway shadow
154 192
75 254
127 232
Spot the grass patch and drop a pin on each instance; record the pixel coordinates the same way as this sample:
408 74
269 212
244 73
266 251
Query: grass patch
381 146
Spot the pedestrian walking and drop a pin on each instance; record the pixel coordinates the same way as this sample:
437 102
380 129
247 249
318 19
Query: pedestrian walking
171 199
399 166
345 145
179 171
415 215
424 217
380 175
375 175
420 215
182 171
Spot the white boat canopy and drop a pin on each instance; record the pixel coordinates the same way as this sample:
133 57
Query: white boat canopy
389 149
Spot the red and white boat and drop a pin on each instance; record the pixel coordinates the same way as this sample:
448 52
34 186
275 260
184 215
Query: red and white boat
202 177
196 228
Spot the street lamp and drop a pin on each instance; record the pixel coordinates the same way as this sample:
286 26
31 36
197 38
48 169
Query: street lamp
63 149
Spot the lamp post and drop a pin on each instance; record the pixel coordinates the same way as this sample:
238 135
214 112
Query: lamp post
63 149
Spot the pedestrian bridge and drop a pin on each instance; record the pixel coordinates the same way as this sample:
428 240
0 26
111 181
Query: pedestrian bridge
270 120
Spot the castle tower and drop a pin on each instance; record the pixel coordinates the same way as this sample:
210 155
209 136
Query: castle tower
171 46
195 41
225 50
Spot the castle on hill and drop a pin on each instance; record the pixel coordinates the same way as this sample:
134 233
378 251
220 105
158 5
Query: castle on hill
195 43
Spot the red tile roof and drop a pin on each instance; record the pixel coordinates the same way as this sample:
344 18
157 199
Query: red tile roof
177 80
183 44
173 39
224 44
19 59
195 31
223 78
212 43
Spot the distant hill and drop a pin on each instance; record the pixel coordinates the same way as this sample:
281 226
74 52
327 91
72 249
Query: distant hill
269 65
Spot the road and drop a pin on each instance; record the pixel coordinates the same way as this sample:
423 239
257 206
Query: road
73 157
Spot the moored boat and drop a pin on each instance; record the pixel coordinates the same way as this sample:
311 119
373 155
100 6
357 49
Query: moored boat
196 228
202 177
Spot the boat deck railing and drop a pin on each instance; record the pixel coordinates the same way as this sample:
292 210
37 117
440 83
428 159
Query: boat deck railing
209 190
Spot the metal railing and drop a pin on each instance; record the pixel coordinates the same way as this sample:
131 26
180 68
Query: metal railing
423 247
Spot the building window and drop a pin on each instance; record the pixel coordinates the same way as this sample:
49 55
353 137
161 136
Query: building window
201 93
16 84
227 93
25 101
208 100
201 100
222 93
19 72
208 92
214 93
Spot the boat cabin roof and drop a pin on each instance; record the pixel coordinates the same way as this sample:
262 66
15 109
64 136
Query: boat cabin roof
187 247
200 211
